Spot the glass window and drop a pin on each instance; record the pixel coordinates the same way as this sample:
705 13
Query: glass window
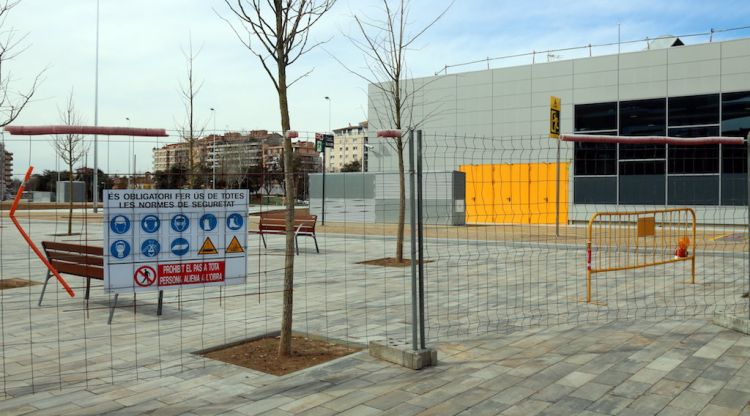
646 167
642 151
593 190
699 131
693 190
595 117
734 158
643 117
694 110
694 159
735 114
595 158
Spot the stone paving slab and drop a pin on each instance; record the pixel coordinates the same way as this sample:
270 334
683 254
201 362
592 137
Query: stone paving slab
449 389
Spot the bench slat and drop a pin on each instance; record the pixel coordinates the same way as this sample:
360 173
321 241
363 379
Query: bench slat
78 269
75 248
69 257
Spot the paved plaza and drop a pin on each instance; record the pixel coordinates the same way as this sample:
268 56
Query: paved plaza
512 334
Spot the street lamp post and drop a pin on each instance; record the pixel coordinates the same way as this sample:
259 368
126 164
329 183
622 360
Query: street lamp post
213 160
323 199
96 115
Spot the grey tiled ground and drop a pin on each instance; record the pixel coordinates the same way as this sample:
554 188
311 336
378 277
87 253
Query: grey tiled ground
484 301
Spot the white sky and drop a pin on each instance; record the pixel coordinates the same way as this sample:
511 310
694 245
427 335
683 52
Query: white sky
141 61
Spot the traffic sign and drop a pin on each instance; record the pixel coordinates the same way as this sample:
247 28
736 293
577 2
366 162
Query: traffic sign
325 138
554 117
208 247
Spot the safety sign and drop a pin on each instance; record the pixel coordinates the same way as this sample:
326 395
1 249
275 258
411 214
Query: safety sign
208 222
144 276
150 224
169 238
180 222
208 247
235 246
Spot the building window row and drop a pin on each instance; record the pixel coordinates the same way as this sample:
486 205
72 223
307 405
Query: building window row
655 174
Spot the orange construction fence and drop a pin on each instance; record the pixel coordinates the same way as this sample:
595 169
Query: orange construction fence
631 240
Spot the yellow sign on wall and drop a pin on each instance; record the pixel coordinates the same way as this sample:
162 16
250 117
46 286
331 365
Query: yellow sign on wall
554 117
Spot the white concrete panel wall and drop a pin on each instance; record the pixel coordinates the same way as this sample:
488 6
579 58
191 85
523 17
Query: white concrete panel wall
514 102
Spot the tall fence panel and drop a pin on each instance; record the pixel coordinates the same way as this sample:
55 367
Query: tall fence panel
507 269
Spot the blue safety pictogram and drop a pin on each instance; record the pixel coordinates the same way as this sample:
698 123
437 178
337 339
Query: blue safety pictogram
234 221
207 222
150 223
180 246
120 249
119 224
180 222
150 248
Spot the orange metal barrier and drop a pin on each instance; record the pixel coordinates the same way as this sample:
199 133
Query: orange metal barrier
632 240
12 215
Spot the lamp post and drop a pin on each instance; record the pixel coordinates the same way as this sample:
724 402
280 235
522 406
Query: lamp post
96 115
323 199
213 161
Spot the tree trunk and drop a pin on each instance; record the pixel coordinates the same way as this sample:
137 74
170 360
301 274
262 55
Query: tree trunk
70 198
285 343
401 201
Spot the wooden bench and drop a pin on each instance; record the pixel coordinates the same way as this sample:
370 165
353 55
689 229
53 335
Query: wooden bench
83 261
275 223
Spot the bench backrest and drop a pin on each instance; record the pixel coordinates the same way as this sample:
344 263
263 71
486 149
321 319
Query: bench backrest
75 259
277 222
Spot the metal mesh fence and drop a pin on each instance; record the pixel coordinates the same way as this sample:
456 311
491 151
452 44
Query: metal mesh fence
493 261
66 342
511 266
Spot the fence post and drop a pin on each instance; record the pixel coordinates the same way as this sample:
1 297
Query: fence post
747 178
420 240
413 231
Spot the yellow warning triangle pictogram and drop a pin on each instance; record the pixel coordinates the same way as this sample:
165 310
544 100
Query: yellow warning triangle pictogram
235 246
208 247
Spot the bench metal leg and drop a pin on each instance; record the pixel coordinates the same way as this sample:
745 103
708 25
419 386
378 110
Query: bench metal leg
88 287
296 243
46 280
317 250
158 307
264 241
112 309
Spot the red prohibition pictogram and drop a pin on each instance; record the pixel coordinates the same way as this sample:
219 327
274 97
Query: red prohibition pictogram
144 276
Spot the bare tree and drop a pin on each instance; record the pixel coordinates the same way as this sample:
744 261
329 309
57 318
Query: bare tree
11 45
190 131
71 148
282 30
385 42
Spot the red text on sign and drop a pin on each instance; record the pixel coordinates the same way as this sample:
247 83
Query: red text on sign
191 273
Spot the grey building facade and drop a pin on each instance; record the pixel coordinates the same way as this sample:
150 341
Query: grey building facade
501 116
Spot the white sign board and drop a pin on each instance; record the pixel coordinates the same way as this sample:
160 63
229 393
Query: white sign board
160 239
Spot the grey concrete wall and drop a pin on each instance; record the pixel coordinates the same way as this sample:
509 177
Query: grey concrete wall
374 197
62 192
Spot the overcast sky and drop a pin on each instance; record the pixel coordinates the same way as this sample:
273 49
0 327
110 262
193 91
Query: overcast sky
141 61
